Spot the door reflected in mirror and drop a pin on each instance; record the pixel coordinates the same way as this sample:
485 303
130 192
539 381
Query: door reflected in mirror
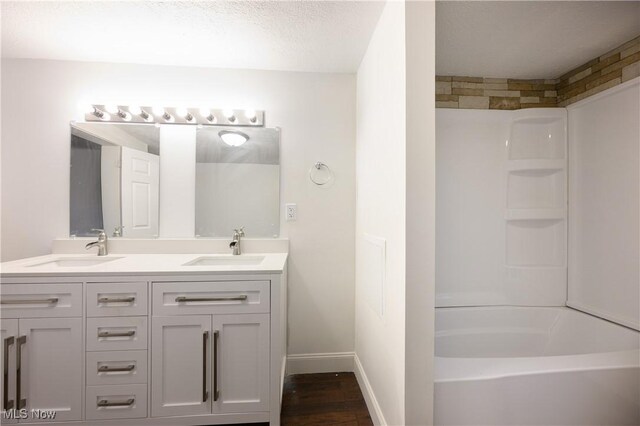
115 180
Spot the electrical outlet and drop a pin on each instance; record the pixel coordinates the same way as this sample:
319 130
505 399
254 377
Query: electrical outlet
291 212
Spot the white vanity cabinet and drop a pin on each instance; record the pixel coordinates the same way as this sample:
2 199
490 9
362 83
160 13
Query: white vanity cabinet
192 349
42 357
210 347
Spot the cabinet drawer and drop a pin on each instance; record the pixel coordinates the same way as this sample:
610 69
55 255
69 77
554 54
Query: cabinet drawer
116 402
116 334
116 368
116 299
213 297
41 300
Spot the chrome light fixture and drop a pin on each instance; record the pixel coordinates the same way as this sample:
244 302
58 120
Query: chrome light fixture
173 115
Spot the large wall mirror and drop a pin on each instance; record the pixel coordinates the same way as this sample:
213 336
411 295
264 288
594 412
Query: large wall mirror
117 177
237 185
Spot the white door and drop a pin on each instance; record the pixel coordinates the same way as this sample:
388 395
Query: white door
242 354
180 365
51 357
9 334
140 193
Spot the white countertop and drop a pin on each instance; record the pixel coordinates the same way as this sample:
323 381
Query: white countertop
143 264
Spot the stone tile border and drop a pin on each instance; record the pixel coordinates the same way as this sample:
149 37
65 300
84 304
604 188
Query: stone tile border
614 67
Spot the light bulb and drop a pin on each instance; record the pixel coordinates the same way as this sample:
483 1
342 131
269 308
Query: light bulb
205 112
228 113
182 111
135 110
250 114
158 110
112 108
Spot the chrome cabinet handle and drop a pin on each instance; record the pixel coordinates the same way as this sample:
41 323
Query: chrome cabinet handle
106 403
205 393
129 299
109 369
116 333
7 403
21 402
216 391
49 301
210 299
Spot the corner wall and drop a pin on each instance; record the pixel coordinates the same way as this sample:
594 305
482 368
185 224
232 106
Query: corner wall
380 215
395 216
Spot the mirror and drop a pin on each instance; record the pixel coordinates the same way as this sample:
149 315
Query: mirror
115 181
237 185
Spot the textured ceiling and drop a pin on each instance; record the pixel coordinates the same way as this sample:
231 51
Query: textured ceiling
323 36
530 39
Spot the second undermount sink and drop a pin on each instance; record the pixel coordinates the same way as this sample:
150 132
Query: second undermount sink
75 262
225 260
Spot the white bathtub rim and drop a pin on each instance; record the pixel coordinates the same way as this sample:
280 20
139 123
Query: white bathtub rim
467 369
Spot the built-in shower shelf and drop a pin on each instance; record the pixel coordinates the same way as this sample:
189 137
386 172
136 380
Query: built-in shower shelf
535 164
535 214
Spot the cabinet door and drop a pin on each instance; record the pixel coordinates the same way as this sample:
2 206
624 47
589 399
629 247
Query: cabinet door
242 355
51 366
9 334
180 365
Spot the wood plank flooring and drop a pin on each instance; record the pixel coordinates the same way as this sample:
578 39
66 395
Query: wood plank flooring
324 399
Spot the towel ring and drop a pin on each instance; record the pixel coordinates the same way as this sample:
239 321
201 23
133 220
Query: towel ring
315 169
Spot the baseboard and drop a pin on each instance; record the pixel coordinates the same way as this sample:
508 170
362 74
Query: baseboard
320 363
370 398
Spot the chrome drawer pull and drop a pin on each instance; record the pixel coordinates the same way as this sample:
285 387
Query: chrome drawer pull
205 393
106 403
7 403
109 369
21 402
216 391
129 299
116 333
49 301
210 299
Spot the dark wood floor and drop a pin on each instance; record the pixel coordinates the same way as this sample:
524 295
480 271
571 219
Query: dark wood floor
324 399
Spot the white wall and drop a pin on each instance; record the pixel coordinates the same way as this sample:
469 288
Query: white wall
421 211
178 176
395 120
380 207
315 111
604 188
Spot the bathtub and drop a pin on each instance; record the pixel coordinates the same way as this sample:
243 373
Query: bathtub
534 366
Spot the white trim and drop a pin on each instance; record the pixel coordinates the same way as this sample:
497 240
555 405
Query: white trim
320 363
367 391
604 93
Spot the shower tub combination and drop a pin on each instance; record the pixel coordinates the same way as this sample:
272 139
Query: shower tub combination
521 365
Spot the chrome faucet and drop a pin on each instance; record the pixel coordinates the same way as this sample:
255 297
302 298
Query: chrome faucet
101 243
235 244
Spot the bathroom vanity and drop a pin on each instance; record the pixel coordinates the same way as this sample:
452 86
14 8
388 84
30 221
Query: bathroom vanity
144 338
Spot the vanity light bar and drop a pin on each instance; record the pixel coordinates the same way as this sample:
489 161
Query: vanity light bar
174 115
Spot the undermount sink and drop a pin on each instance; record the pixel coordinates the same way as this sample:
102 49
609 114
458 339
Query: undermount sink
225 260
75 262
